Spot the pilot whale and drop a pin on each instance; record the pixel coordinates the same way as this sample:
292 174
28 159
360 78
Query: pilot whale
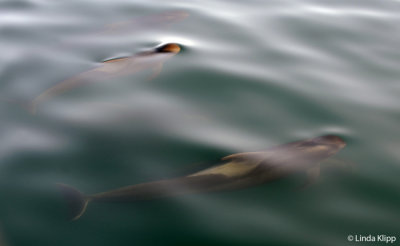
236 171
152 59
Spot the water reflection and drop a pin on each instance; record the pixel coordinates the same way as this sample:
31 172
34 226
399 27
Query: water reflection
135 26
20 138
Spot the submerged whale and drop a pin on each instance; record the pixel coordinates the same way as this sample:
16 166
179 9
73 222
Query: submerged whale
236 171
112 68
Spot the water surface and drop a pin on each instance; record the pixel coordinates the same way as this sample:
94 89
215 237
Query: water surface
251 75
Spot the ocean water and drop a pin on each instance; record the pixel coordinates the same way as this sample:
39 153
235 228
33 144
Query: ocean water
251 75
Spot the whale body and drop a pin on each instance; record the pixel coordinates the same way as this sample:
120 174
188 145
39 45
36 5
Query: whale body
109 69
236 171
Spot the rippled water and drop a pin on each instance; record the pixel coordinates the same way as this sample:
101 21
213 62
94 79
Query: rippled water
252 74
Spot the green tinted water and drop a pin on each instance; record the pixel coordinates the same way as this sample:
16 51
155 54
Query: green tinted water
251 75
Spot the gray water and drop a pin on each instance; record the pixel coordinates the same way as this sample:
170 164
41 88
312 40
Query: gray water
251 75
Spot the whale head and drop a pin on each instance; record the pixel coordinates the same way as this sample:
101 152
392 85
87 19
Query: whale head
333 141
168 48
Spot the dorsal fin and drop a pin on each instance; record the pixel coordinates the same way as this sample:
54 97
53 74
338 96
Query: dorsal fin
118 59
243 155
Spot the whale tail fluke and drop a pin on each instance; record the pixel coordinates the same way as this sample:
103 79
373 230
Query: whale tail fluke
76 201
